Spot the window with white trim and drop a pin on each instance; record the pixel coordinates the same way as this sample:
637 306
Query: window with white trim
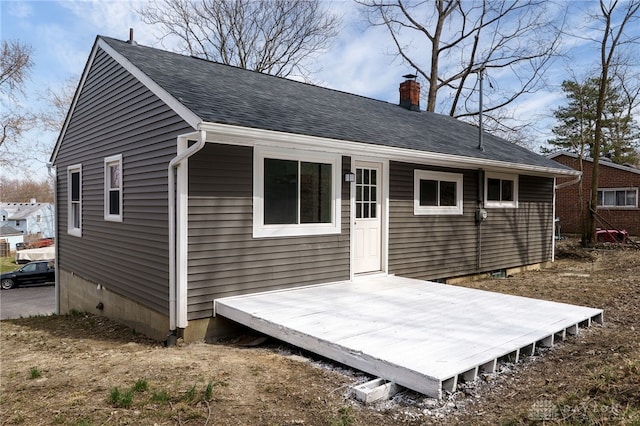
501 190
74 207
113 188
437 193
295 194
618 197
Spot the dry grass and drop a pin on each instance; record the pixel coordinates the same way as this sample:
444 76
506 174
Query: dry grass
86 370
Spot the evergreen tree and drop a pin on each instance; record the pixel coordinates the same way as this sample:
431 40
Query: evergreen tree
575 131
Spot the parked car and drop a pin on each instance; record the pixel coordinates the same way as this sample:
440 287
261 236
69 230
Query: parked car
36 272
42 242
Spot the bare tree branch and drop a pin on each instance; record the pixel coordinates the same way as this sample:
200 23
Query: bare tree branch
278 37
15 64
458 38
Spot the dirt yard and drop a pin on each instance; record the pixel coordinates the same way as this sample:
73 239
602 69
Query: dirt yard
86 370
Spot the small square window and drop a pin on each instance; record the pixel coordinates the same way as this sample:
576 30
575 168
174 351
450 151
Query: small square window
501 190
437 193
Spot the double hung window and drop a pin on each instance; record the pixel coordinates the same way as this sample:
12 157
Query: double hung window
74 196
113 188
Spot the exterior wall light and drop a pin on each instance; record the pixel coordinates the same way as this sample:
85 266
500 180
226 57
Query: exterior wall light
349 177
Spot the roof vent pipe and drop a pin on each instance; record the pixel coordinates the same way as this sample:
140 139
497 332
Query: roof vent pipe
131 41
410 93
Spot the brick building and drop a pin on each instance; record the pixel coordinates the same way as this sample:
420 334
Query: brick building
618 188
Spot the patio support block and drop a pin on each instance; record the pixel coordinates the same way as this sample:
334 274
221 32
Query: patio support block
375 390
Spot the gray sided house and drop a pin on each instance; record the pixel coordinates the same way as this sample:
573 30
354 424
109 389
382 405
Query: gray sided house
181 181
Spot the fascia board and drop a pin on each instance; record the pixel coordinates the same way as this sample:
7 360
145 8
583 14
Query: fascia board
185 113
590 160
237 135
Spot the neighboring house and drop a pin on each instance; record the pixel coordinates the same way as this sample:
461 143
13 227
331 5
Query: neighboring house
31 218
180 181
11 235
618 201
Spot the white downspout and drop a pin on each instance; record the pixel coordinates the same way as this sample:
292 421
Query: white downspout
569 183
553 217
177 231
54 176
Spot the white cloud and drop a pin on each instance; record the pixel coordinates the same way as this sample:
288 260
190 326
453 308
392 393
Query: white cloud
19 10
361 60
109 18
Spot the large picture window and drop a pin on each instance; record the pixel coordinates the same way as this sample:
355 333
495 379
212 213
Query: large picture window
501 190
113 188
437 193
618 197
295 194
74 196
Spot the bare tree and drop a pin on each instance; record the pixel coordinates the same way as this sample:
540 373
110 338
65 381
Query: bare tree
615 18
57 100
24 190
449 42
627 75
276 37
15 64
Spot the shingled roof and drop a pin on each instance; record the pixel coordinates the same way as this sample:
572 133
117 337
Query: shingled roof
218 93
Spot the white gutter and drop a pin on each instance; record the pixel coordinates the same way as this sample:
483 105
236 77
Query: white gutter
54 176
245 136
178 229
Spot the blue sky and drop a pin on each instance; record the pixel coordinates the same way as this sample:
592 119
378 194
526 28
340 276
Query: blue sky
62 34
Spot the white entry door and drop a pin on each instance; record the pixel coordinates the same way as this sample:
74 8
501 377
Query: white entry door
368 223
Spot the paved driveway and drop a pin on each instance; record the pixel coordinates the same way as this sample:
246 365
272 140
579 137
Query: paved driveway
27 301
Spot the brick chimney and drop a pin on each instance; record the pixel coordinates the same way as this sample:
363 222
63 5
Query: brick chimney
410 93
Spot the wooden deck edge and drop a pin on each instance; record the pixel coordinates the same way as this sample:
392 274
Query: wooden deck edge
519 352
424 384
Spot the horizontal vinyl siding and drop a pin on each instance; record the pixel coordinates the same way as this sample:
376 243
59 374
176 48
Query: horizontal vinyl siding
444 246
116 114
521 236
429 246
225 259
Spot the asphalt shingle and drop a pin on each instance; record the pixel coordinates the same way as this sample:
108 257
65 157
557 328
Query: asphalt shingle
224 94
